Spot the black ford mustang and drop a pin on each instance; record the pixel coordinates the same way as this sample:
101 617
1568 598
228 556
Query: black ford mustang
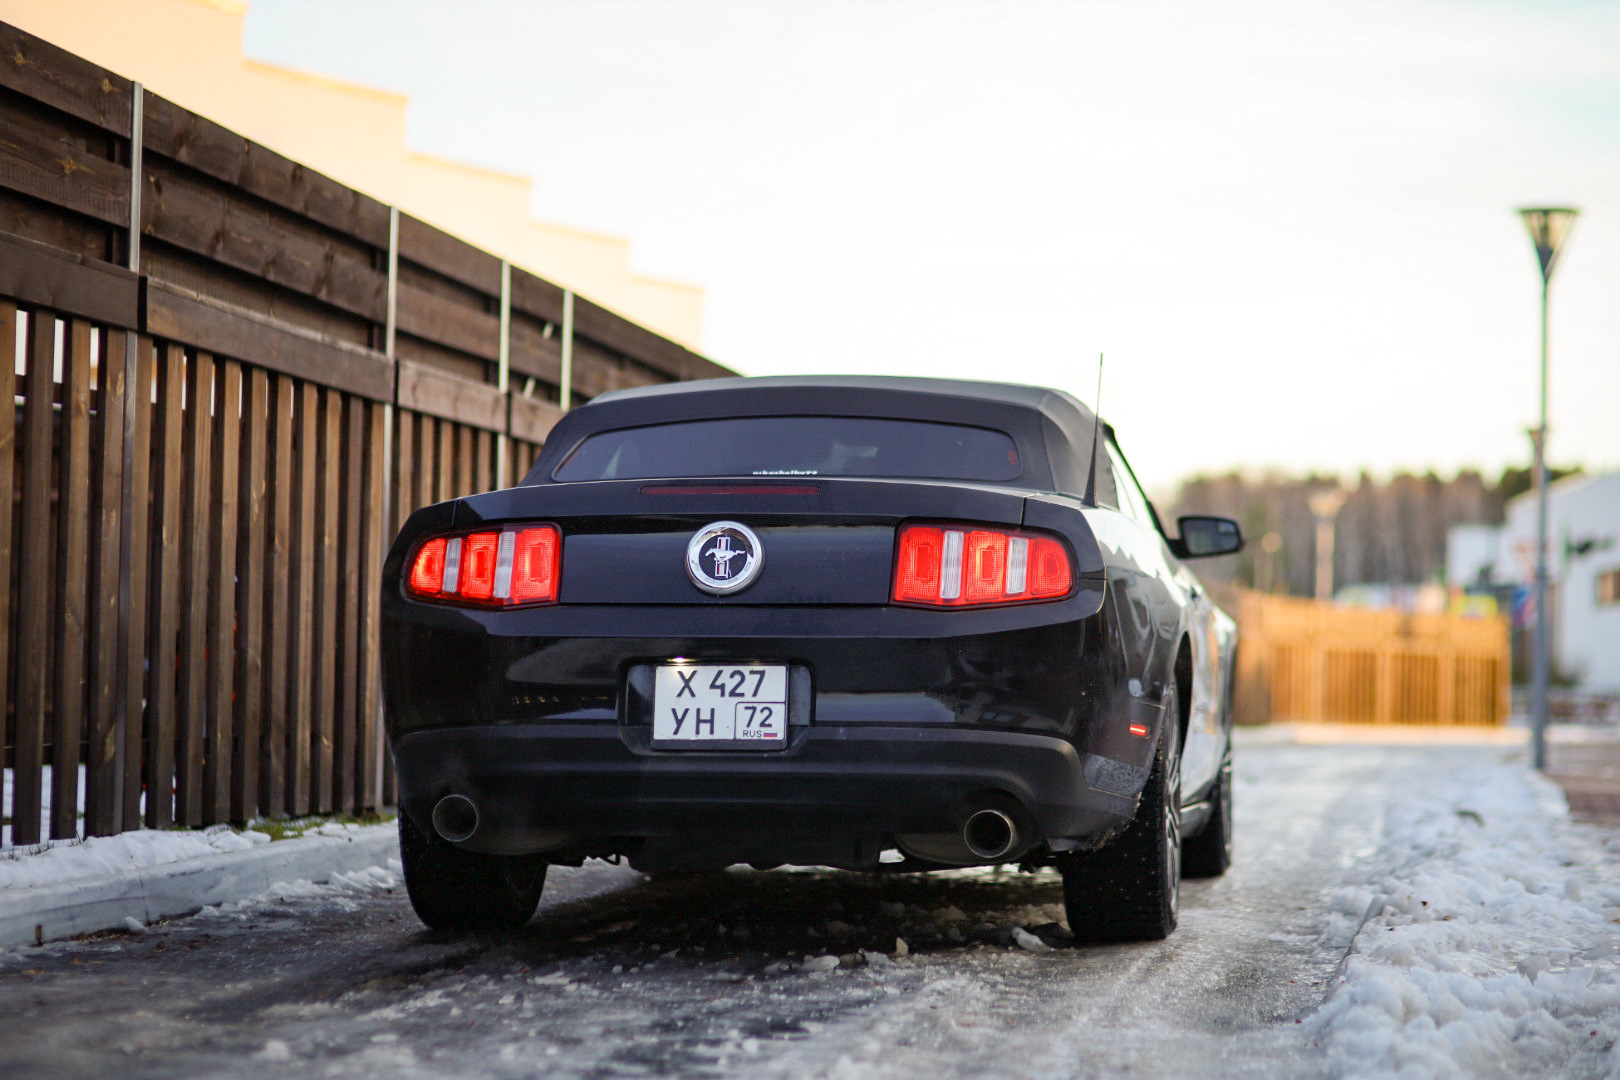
862 622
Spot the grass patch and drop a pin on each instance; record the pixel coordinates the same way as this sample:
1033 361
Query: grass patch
292 828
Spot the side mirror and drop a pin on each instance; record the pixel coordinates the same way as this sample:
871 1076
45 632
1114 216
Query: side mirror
1201 536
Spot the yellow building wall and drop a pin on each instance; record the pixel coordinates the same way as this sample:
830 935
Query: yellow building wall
190 51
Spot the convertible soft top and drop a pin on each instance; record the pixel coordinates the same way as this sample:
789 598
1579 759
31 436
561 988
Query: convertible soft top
1054 431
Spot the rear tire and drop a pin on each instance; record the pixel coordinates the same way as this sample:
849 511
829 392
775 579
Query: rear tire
1210 852
1130 890
459 890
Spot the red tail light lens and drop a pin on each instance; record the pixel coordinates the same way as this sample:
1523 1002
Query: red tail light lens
916 571
427 569
478 566
984 567
534 565
963 566
516 564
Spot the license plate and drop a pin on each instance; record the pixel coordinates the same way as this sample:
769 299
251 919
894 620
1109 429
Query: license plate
741 706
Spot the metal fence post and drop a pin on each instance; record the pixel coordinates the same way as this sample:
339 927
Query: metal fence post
121 718
379 751
565 391
503 379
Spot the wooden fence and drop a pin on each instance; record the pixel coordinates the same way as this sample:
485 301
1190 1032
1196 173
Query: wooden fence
1311 661
232 380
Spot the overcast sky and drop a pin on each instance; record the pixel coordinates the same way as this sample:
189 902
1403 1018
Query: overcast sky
1288 223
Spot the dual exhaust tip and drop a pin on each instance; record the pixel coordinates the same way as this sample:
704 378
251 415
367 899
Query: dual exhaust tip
455 818
989 835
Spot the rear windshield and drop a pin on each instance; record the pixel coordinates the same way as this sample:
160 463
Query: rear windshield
795 446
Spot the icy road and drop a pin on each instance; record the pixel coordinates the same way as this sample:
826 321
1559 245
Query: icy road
1417 911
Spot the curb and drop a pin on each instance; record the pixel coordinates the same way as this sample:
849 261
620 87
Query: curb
33 915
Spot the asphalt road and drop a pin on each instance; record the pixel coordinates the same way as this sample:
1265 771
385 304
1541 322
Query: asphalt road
705 975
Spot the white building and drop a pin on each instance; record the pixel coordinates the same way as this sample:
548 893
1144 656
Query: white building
190 51
1583 564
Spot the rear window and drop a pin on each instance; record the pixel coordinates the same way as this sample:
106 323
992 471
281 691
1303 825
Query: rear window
795 446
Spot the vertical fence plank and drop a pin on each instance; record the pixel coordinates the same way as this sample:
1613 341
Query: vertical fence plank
73 545
33 600
246 762
280 640
426 462
465 463
406 459
520 460
133 629
376 533
429 460
166 589
404 467
106 538
195 525
534 455
327 587
221 691
353 570
430 445
1384 711
483 461
1445 707
446 462
301 616
8 457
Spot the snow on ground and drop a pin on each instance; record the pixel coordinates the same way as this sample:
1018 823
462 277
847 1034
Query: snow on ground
337 889
1483 938
67 860
1487 944
85 857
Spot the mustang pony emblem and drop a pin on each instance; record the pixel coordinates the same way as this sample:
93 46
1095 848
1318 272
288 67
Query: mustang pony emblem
722 553
724 557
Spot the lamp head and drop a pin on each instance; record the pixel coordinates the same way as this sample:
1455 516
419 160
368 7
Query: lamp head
1549 227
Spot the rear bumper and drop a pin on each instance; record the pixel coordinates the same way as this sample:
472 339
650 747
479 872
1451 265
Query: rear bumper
532 782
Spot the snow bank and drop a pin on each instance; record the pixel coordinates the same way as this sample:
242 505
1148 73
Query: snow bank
60 889
1487 943
66 860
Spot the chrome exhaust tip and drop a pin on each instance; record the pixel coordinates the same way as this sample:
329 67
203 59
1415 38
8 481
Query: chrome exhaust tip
990 834
455 818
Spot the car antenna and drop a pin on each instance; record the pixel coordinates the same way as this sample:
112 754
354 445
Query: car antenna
1096 432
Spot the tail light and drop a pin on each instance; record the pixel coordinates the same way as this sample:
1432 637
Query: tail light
516 564
964 566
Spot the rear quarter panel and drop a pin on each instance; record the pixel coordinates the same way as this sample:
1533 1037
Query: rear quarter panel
1153 603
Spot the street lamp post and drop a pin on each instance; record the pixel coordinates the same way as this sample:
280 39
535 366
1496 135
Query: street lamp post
1549 227
1325 506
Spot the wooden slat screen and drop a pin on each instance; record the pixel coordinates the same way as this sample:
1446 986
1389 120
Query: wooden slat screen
211 451
1301 660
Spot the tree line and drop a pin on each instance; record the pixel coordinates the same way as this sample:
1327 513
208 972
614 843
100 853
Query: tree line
1387 532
